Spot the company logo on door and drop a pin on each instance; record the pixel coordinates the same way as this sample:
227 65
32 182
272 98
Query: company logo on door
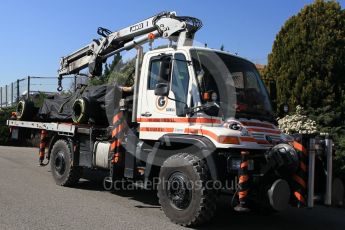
161 103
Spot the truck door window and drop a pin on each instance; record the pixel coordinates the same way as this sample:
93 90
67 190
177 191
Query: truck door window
154 78
154 74
180 82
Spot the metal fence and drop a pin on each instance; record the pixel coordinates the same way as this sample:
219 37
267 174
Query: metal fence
29 86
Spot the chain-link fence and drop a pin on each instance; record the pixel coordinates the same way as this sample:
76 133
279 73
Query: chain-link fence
29 86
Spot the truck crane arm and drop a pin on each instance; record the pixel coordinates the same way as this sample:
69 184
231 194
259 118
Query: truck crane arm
165 25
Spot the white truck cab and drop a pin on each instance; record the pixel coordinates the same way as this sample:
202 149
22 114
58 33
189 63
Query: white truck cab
224 81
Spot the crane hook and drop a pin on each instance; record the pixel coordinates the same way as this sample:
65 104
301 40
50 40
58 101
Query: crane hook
59 88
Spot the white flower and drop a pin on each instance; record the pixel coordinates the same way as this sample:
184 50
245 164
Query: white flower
297 123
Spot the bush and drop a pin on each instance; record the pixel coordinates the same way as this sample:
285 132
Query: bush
297 123
5 114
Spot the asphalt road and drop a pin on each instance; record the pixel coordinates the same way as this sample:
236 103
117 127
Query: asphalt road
29 199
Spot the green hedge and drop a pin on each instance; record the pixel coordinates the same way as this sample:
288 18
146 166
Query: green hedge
5 113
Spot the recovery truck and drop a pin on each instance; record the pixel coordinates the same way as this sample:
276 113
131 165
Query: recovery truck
198 119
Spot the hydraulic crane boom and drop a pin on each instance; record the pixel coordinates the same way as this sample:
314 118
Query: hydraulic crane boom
165 24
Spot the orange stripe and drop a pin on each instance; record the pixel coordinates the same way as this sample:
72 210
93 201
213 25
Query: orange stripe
299 197
116 158
244 164
115 144
303 166
243 179
117 117
299 180
154 129
228 140
264 130
219 139
181 120
247 123
192 131
243 194
118 129
299 147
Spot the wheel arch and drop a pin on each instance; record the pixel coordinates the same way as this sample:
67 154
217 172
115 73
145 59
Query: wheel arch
204 148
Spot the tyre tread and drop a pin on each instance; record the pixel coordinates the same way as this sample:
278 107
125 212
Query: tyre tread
74 173
207 206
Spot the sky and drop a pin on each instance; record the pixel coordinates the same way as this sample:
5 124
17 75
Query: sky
36 33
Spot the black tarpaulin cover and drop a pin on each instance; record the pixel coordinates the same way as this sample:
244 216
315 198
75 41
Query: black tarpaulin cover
103 102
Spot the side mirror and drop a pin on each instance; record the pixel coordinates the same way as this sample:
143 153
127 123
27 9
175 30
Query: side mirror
212 109
162 89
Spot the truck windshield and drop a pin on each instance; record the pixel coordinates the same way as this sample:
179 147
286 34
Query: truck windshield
236 82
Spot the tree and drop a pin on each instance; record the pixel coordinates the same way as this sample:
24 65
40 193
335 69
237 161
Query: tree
112 72
123 74
5 114
308 64
308 58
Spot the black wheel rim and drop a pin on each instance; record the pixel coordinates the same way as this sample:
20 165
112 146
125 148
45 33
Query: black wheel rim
179 190
60 163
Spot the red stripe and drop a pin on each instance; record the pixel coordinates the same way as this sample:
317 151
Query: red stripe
300 181
299 197
243 179
299 147
117 130
219 139
244 164
243 194
116 158
117 117
303 166
151 129
115 144
180 120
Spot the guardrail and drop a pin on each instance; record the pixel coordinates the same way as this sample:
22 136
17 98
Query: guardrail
26 87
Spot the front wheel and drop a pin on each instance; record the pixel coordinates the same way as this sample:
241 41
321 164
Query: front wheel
64 173
183 192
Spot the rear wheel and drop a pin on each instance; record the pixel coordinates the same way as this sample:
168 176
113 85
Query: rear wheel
182 190
63 172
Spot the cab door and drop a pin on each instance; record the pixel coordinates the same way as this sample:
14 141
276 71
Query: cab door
164 114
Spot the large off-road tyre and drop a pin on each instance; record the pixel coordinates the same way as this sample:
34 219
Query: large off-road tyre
183 193
25 110
63 172
81 113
